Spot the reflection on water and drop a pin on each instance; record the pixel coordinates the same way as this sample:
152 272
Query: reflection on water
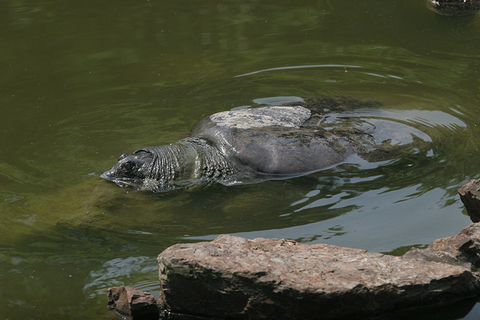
84 82
116 273
300 67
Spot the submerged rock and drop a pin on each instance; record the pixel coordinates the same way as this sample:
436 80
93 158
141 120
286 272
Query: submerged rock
133 303
271 142
236 278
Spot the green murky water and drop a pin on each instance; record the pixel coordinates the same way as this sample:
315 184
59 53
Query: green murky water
83 82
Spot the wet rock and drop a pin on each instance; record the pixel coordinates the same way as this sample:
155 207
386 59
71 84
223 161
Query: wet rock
133 303
470 196
454 7
236 278
449 250
462 249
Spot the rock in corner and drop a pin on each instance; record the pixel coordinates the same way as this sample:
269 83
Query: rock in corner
236 278
470 196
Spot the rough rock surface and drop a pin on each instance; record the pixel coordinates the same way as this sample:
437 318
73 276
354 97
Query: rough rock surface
236 278
470 196
462 249
133 303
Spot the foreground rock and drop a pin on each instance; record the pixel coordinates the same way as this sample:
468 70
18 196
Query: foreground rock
454 7
236 278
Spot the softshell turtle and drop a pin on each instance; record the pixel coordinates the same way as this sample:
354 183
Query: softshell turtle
255 144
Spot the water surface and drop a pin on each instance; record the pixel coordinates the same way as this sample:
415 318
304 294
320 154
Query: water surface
85 82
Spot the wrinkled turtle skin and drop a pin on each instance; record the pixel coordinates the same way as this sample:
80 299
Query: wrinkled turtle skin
255 144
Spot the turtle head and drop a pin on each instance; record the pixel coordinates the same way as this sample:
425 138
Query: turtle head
131 170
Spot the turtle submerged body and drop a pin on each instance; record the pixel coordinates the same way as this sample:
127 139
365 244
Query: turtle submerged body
250 145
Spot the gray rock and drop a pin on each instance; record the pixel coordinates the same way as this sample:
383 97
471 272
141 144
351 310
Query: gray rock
236 278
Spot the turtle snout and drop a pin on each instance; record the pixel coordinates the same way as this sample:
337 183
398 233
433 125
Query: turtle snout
108 175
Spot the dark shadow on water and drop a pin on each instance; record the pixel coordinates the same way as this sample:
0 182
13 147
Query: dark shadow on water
468 309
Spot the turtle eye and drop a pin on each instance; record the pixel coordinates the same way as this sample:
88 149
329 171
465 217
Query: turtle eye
128 166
